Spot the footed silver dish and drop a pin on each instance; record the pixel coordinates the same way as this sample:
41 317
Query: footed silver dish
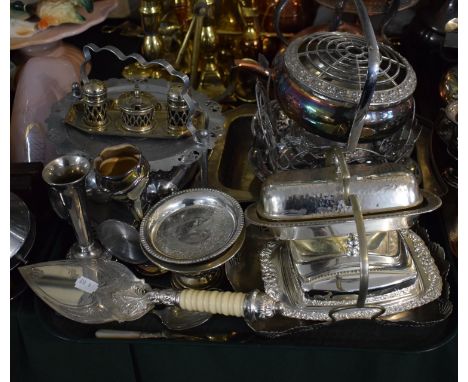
191 226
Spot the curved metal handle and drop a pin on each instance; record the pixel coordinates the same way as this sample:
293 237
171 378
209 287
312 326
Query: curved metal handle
371 78
363 253
140 59
360 228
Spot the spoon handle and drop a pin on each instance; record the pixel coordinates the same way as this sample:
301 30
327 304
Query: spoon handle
125 334
135 335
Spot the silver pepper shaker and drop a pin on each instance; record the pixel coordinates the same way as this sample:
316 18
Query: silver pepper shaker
94 99
177 110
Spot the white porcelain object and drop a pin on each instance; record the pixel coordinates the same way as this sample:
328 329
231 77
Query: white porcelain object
46 78
21 29
59 32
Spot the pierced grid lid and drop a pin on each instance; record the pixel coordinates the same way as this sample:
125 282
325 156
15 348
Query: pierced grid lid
334 65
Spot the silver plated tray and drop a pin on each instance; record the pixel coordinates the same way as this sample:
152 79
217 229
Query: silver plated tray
281 285
310 229
247 262
192 226
162 154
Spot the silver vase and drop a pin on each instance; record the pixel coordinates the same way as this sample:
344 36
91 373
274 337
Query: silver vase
66 176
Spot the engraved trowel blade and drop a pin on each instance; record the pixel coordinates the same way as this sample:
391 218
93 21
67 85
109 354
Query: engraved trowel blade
82 290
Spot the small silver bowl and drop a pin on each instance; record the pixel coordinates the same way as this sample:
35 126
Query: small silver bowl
119 169
191 227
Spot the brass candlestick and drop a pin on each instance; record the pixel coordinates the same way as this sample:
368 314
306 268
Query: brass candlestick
195 28
205 42
211 82
152 47
250 45
150 12
229 31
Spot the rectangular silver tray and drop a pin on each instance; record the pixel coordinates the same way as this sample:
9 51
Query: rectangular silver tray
390 264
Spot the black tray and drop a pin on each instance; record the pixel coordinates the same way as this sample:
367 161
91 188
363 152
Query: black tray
57 236
356 334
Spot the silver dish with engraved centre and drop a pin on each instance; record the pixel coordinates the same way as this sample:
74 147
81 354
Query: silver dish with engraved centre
191 226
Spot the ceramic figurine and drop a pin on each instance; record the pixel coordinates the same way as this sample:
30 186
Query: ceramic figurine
55 12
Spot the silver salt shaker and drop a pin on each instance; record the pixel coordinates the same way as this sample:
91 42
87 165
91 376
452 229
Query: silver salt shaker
94 99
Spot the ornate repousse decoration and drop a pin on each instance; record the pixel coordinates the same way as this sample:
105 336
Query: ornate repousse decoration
164 296
352 243
269 273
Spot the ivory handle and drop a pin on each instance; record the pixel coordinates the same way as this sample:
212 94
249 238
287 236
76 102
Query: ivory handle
226 303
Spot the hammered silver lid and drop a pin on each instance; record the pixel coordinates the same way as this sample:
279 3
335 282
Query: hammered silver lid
334 65
191 226
319 194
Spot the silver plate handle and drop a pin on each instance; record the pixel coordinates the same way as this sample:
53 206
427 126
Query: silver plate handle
355 203
371 77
